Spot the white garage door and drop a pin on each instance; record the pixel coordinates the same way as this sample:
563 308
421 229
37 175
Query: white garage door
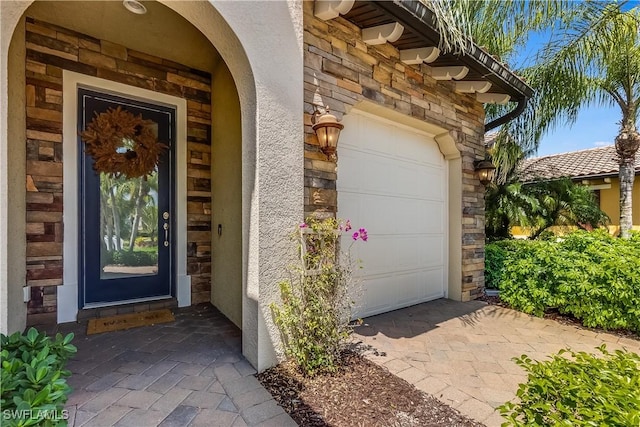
391 180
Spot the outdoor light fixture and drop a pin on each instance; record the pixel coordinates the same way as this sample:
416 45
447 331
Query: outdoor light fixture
327 129
485 170
134 6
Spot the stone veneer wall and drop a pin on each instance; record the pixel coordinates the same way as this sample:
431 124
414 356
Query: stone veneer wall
341 70
50 49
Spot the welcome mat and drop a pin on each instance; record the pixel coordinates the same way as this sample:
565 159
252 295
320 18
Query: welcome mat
128 321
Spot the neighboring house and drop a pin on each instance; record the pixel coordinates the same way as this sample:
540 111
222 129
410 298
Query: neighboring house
232 87
596 168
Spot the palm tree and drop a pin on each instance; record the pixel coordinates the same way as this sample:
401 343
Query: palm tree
593 58
595 61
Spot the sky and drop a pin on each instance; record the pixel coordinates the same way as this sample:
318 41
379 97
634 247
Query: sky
595 127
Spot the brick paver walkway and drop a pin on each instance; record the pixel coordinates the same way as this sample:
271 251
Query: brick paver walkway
187 373
461 352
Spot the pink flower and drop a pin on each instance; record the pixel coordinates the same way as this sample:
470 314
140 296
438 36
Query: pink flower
347 225
355 236
363 235
303 225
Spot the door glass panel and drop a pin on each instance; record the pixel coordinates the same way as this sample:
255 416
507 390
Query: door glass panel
129 223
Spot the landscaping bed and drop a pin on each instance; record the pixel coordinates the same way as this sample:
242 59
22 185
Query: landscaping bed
590 276
360 393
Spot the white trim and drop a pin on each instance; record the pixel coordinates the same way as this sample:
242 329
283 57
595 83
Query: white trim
129 301
68 293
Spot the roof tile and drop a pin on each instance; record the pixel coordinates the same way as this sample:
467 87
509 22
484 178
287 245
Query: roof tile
601 161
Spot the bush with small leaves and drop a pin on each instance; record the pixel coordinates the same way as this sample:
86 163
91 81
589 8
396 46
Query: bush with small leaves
578 389
590 275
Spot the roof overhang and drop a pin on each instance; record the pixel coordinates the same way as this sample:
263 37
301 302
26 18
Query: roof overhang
420 30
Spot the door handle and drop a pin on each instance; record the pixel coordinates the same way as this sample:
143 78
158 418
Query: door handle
165 226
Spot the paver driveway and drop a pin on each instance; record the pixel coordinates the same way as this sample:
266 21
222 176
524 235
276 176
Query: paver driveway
461 352
186 373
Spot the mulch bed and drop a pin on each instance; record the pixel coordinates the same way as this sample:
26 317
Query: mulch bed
566 319
361 393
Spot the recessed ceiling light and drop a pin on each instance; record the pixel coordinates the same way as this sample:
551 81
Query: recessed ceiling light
134 6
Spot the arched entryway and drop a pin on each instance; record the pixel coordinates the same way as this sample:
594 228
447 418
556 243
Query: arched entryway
233 199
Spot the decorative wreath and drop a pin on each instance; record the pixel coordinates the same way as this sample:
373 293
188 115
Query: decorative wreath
122 144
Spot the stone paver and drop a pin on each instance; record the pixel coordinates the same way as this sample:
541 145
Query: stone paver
190 372
461 352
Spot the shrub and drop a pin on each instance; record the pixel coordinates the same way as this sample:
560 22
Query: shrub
314 319
134 258
33 387
590 275
578 389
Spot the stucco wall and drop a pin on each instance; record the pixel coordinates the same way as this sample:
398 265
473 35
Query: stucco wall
12 170
341 71
226 175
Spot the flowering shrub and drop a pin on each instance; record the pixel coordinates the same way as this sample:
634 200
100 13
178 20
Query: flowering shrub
314 319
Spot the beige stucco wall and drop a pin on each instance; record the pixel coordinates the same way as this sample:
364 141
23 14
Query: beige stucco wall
226 175
13 311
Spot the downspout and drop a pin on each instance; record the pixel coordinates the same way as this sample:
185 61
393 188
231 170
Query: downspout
522 103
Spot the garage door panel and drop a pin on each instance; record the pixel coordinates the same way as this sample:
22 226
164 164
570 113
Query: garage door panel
416 181
359 207
392 181
417 216
410 146
379 255
384 293
378 135
394 215
419 251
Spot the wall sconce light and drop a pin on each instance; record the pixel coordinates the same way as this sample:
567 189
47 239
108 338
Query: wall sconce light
485 170
327 129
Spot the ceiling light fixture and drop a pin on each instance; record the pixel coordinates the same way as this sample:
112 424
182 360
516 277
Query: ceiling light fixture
134 6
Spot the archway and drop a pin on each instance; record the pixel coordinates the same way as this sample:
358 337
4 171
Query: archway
268 100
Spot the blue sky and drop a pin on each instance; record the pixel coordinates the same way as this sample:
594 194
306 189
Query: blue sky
595 127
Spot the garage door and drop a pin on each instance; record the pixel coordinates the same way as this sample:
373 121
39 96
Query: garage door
391 180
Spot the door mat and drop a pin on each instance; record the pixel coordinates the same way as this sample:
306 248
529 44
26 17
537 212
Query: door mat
128 321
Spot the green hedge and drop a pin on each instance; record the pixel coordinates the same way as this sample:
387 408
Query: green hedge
578 389
133 258
33 387
590 275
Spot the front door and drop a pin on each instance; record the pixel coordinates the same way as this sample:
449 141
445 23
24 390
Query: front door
126 224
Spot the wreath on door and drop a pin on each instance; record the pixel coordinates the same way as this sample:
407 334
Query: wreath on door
122 144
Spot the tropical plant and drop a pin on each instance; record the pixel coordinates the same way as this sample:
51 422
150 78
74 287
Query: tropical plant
537 205
459 21
561 202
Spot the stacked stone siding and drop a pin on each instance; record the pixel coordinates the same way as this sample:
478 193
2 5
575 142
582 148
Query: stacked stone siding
51 49
341 70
